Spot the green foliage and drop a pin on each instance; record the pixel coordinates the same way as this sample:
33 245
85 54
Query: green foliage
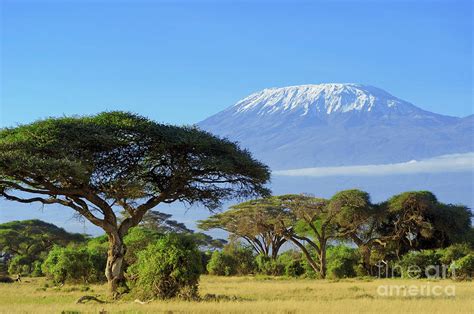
75 264
98 243
20 264
292 262
112 153
464 267
352 207
168 268
221 264
294 268
88 163
416 220
244 259
419 264
268 266
37 272
454 252
160 222
138 239
342 261
29 242
235 259
253 221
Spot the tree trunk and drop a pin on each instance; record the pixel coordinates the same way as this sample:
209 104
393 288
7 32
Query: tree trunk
322 260
366 252
310 260
114 270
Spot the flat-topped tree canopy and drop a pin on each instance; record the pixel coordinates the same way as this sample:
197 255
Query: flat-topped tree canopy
93 163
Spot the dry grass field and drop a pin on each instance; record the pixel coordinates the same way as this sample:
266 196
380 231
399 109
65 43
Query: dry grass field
249 294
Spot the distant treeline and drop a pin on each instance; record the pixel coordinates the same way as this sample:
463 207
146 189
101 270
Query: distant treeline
347 234
291 235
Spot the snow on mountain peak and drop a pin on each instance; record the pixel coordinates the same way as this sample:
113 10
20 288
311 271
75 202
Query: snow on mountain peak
320 99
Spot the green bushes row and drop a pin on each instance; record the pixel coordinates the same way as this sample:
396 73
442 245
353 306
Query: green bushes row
456 261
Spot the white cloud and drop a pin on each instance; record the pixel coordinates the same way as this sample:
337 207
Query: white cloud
445 163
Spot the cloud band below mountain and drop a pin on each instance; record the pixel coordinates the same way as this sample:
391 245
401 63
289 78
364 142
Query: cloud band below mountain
445 163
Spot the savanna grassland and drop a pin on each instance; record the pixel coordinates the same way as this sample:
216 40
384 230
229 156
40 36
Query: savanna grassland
246 294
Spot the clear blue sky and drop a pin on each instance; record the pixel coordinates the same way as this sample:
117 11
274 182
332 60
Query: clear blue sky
180 62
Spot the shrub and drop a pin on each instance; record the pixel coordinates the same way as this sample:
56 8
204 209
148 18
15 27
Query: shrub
292 263
417 264
221 264
454 252
294 269
269 266
36 272
167 268
75 264
235 259
342 261
244 259
464 267
20 264
138 239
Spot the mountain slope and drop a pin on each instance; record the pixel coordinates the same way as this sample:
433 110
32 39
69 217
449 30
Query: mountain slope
338 124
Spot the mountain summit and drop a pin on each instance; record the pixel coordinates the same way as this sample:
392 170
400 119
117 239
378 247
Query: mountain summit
322 99
338 124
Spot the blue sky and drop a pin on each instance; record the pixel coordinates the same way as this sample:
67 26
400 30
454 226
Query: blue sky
181 61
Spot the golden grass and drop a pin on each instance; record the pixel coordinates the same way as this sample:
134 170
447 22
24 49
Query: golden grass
264 295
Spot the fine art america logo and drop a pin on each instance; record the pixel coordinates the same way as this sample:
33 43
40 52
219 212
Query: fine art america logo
433 272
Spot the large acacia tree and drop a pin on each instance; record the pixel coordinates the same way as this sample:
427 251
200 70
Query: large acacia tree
358 220
417 220
99 165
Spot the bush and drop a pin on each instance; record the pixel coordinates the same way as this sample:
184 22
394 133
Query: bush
75 264
20 264
417 264
167 268
136 240
454 252
235 259
37 272
342 262
268 266
221 264
464 267
292 263
244 259
294 269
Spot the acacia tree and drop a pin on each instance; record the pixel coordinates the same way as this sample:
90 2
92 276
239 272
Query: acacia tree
270 222
33 237
308 222
100 164
160 222
252 221
358 220
417 220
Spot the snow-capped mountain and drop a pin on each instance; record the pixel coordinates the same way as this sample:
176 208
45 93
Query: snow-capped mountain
322 99
338 124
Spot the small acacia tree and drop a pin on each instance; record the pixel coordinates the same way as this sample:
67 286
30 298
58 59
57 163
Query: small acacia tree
121 161
268 223
252 221
309 222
